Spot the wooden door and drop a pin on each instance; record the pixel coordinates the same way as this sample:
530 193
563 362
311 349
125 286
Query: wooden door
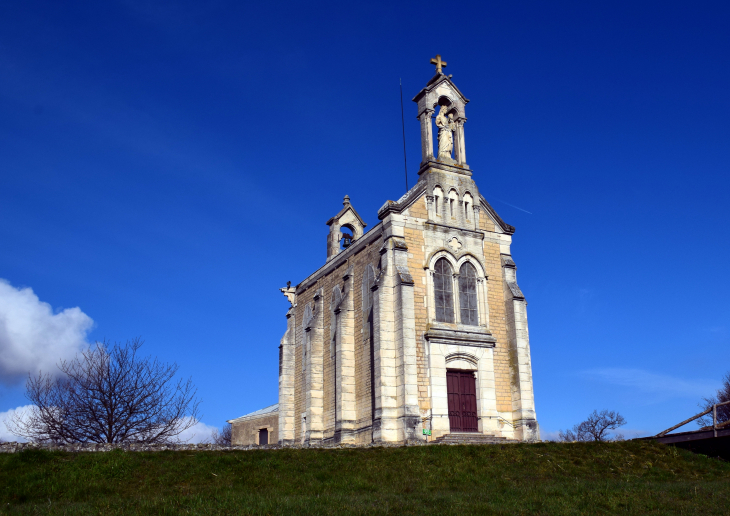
461 389
263 436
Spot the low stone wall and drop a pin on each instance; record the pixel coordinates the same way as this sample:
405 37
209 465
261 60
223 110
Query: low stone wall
14 447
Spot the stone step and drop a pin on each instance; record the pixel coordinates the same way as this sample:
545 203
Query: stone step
471 438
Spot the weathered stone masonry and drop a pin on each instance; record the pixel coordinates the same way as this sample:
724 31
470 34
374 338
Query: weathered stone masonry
372 334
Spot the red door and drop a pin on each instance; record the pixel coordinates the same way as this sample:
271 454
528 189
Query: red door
461 388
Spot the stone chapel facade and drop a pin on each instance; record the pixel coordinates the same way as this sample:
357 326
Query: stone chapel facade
416 326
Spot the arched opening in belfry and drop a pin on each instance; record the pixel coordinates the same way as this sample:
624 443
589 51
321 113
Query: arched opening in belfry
348 236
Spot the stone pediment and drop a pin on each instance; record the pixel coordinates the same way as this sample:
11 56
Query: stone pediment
342 213
440 82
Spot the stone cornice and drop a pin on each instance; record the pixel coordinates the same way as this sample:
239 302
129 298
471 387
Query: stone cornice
404 202
480 337
454 168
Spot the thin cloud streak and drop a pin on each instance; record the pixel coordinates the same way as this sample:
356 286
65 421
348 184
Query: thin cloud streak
652 383
513 206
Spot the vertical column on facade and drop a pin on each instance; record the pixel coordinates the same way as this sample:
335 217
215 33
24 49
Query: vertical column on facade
439 397
477 210
345 415
446 209
314 384
487 392
426 135
523 403
385 422
409 421
286 381
456 297
483 290
460 141
429 207
457 142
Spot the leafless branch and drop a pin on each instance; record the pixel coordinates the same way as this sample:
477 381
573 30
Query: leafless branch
723 411
595 428
223 438
108 394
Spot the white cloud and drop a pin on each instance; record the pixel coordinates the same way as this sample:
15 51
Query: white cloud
198 433
549 436
652 383
33 337
5 434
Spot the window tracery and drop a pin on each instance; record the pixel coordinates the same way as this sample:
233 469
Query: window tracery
443 291
468 303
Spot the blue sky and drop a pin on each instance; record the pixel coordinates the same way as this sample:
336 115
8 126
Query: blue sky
165 167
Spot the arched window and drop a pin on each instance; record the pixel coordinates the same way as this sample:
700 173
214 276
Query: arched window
443 292
453 202
468 206
468 295
438 200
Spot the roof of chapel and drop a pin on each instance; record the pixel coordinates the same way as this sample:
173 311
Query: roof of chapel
257 413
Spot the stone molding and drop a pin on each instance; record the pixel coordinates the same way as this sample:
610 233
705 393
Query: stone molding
463 232
480 339
453 167
403 203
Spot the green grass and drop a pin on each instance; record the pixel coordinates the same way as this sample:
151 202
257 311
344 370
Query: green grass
549 478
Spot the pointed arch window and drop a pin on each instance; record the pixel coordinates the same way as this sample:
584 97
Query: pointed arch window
468 295
443 291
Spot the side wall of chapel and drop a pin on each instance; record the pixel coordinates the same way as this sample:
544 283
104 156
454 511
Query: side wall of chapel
321 343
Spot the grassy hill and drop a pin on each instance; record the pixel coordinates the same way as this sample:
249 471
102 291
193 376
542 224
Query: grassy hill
549 478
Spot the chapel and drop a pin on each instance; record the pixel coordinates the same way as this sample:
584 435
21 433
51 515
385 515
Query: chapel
414 329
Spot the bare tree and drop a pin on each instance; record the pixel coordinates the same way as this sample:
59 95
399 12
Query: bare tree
723 412
108 394
223 438
595 428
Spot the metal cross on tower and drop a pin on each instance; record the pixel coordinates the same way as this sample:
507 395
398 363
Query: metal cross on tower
438 62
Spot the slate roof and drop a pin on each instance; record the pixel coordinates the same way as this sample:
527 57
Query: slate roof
260 412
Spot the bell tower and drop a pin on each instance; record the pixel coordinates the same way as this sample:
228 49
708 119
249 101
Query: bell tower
339 237
443 99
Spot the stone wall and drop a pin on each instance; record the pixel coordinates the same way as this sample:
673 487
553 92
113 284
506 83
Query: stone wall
317 368
246 432
15 447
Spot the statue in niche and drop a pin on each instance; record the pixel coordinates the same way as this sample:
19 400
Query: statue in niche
446 126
